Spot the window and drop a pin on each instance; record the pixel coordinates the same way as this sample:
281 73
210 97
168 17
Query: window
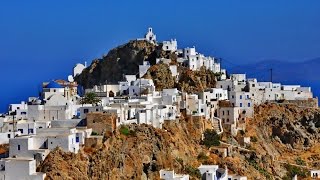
85 111
167 47
232 96
202 110
249 104
9 135
240 104
252 94
18 107
253 85
228 120
247 96
18 147
97 110
30 131
228 112
21 130
222 112
240 96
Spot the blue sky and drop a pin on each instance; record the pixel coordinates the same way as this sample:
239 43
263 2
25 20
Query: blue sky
42 40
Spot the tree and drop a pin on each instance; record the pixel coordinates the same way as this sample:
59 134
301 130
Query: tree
90 98
211 138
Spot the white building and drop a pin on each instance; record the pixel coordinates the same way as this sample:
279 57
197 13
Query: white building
141 86
20 110
19 168
213 172
171 45
150 36
170 175
315 174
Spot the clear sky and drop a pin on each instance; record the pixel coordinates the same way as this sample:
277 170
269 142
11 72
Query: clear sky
42 40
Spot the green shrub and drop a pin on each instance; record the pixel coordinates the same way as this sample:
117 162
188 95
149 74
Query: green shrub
294 170
242 132
253 139
260 169
202 157
125 131
93 133
194 172
211 138
300 161
179 160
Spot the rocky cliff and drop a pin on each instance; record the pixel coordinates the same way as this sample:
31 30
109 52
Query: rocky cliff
284 142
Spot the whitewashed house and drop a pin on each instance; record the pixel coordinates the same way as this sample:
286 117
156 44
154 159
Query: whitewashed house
19 168
315 174
171 45
213 172
19 110
141 86
170 175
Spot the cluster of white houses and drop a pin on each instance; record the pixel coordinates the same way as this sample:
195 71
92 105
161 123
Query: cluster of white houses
207 172
57 118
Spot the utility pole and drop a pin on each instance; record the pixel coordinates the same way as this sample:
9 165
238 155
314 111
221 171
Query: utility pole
271 74
220 59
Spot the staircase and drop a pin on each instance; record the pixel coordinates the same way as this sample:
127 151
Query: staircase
216 123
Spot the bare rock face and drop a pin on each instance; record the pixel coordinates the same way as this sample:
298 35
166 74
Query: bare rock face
161 76
294 126
195 81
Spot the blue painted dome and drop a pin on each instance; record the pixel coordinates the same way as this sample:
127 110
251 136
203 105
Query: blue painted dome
53 85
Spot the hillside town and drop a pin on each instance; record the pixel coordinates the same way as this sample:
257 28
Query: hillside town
64 114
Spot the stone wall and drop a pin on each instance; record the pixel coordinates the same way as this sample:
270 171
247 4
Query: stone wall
102 123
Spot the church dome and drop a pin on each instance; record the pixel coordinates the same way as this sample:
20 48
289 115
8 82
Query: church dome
53 85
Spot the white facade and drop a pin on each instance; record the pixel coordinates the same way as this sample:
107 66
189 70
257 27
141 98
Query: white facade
170 175
20 168
171 45
315 173
150 36
211 172
229 115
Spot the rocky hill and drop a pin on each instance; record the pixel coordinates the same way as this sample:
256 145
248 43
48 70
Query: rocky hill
284 142
125 60
122 60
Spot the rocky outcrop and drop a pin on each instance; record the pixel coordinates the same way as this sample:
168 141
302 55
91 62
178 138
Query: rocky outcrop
161 76
195 81
122 60
125 60
297 127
